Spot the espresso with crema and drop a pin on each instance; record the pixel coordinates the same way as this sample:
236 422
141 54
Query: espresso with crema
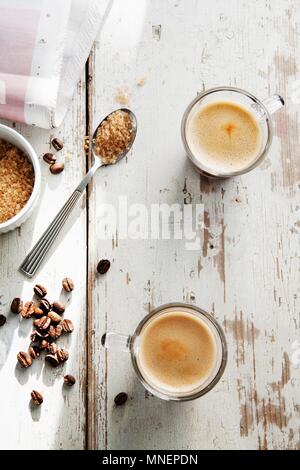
177 352
224 136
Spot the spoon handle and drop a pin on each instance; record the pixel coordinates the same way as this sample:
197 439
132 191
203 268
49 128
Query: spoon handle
37 254
87 178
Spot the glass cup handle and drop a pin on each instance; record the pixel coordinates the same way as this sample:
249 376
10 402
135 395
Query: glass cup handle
273 103
116 341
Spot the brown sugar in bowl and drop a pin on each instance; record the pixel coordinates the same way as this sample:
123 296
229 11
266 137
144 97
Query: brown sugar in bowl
21 208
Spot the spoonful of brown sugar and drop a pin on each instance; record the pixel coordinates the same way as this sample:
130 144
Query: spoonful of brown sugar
114 136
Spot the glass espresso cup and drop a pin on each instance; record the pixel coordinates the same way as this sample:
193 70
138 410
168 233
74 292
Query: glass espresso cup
260 111
182 338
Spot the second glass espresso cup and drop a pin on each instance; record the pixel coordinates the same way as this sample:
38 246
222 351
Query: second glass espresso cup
192 343
261 111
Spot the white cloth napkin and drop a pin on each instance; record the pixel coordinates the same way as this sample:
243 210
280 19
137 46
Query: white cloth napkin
44 45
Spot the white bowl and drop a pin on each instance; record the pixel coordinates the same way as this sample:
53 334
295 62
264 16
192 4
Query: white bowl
12 136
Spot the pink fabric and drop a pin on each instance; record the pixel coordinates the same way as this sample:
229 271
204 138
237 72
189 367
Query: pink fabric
18 30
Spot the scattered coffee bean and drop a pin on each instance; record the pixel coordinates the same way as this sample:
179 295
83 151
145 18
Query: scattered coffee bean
58 331
49 158
24 359
55 332
40 290
57 168
38 312
58 307
57 144
2 320
52 348
121 398
34 336
37 397
38 335
16 305
49 327
58 358
103 266
54 317
42 323
45 305
67 326
51 332
103 339
52 360
62 355
69 380
44 344
27 310
34 351
68 284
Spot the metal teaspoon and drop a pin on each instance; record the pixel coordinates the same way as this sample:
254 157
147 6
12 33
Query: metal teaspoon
37 254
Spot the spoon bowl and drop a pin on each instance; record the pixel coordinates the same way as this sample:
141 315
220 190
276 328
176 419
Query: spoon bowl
133 136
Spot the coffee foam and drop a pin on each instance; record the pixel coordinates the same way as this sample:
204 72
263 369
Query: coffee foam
224 137
177 352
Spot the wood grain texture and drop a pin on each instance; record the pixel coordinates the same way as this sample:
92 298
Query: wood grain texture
60 422
247 270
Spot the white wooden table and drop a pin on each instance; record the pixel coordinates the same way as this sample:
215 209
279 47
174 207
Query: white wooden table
246 272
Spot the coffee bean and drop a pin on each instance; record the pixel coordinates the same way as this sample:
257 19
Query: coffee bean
27 310
58 307
52 360
38 335
34 336
67 326
40 290
45 305
24 359
2 320
54 317
16 305
51 332
55 332
37 397
49 158
68 284
103 339
62 355
38 312
58 331
69 380
44 344
57 144
57 168
52 348
34 351
42 323
58 358
103 266
121 398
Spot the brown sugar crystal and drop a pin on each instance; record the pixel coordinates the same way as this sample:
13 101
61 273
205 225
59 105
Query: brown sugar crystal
122 96
113 137
16 180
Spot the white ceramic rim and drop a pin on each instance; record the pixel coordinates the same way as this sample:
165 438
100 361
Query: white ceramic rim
198 164
210 382
27 148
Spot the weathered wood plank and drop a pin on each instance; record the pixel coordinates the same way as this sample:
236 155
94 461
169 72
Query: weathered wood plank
247 270
60 421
